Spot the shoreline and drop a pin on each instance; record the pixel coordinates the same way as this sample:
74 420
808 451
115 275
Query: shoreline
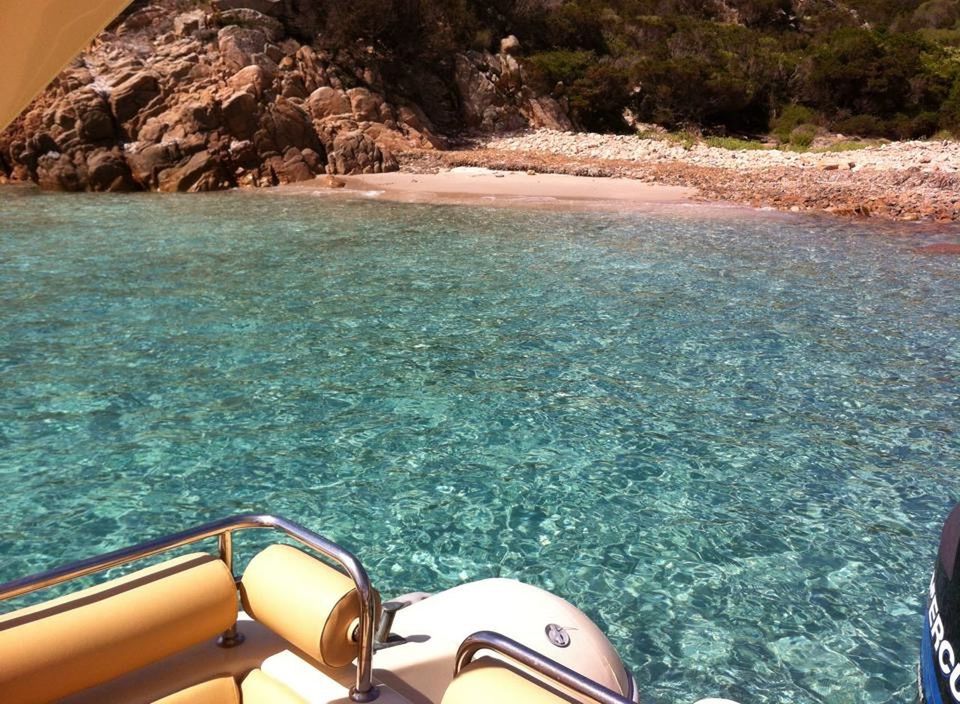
507 189
898 181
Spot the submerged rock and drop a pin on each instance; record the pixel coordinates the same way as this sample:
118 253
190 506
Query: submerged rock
940 248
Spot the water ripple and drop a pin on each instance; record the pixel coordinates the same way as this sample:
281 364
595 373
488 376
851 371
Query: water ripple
730 441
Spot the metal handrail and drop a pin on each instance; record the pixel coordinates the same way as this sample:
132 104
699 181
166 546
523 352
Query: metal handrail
539 663
363 691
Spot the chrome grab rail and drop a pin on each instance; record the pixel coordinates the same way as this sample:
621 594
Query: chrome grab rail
541 664
363 691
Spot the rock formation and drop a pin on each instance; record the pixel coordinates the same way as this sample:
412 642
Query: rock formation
229 95
496 96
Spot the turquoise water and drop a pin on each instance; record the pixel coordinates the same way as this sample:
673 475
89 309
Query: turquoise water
732 442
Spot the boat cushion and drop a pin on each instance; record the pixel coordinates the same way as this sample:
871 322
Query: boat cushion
305 601
222 690
487 680
260 688
257 688
62 646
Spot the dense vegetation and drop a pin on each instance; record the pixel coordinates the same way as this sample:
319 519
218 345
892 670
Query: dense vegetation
883 68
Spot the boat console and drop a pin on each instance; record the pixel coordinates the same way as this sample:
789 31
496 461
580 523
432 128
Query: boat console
293 628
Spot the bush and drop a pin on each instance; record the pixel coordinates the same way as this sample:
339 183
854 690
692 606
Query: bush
791 117
802 136
917 127
950 112
597 100
862 126
551 67
734 143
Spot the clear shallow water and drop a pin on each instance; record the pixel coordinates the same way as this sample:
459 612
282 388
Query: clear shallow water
731 442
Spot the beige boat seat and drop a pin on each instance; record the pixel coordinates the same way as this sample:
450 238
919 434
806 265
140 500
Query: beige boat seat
65 645
257 688
94 638
222 690
488 680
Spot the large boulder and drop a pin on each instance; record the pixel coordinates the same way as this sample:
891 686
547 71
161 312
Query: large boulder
355 152
494 97
364 104
147 163
251 79
283 125
292 86
150 18
326 101
251 19
108 171
545 112
311 67
292 168
240 115
86 113
510 45
189 23
238 45
30 152
201 172
58 172
195 117
134 94
479 99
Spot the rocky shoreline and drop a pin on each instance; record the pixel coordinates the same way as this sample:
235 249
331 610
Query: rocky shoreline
909 181
226 95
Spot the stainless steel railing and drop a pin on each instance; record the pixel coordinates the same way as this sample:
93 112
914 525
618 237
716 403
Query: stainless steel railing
541 664
363 691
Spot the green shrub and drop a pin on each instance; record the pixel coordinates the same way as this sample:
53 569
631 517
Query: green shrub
483 40
687 138
950 111
598 98
847 145
551 67
802 136
734 144
862 126
916 127
791 117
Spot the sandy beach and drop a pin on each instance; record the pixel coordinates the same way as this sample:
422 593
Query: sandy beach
469 185
904 181
472 185
907 181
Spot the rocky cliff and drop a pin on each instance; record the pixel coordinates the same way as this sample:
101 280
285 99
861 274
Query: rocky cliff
236 93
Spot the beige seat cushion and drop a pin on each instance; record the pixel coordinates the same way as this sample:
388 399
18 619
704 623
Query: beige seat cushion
260 688
222 690
489 681
305 601
65 645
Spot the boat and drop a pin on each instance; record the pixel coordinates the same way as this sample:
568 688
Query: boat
302 624
938 673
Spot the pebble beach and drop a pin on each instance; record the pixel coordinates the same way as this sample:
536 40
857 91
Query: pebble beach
909 181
